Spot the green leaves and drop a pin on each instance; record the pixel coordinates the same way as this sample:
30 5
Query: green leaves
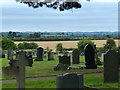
8 44
27 45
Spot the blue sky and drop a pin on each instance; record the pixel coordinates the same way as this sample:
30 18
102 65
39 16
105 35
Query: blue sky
93 16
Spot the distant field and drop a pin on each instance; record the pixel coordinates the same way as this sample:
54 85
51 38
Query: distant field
66 44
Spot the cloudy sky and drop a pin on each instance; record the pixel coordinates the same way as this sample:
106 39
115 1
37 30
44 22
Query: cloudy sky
93 16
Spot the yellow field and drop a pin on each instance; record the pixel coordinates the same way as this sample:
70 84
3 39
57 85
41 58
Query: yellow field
66 44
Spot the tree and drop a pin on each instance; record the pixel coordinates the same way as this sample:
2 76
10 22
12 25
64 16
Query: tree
110 44
21 46
11 34
55 4
8 44
59 47
27 45
81 44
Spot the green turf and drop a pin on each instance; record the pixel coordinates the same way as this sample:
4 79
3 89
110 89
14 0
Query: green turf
45 68
93 80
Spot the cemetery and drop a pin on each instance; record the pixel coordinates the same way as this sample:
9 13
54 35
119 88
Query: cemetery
36 69
82 64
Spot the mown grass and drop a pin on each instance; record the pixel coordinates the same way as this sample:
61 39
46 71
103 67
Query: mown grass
92 80
45 68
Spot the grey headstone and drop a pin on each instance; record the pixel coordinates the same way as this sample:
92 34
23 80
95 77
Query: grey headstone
64 60
69 81
2 54
75 56
90 57
97 59
40 54
50 56
10 54
111 70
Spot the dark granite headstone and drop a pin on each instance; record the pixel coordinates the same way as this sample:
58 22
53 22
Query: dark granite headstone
70 81
64 60
40 54
119 58
111 66
75 56
90 57
64 63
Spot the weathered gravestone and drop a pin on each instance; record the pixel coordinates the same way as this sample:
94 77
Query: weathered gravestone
64 60
64 63
75 56
97 59
50 56
90 57
17 68
2 54
40 54
69 81
29 53
111 70
10 54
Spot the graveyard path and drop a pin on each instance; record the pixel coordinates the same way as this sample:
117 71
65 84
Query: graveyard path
41 77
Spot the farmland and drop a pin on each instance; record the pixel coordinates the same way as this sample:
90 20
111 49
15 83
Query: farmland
66 44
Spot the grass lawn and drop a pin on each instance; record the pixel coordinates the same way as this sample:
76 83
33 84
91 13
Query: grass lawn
45 68
92 80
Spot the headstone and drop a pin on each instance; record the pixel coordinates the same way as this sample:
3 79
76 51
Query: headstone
97 59
2 54
40 54
111 67
64 60
10 54
64 63
17 68
75 56
34 53
90 57
70 81
119 57
50 56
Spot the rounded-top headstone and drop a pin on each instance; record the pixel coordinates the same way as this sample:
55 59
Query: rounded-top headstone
89 52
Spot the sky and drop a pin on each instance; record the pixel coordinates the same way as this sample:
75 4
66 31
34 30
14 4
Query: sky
94 16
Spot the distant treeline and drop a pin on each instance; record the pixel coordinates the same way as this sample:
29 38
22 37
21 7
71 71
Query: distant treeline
61 36
53 39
